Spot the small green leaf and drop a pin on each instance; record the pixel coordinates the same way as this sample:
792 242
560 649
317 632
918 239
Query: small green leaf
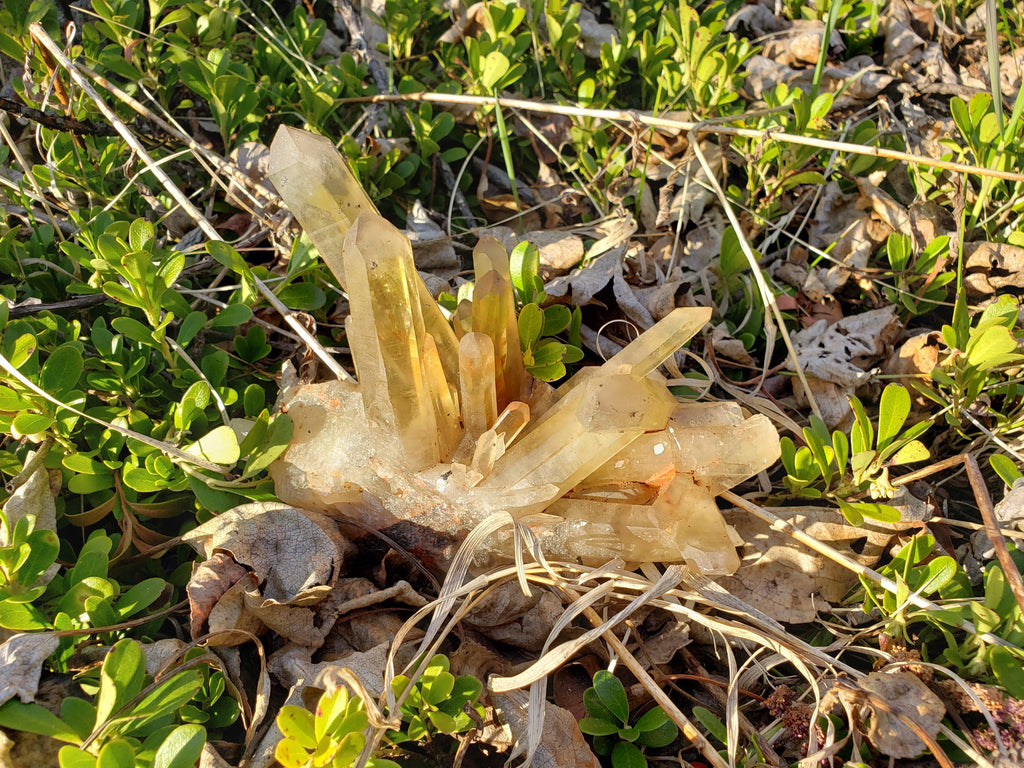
524 265
33 718
494 66
30 423
1008 668
612 694
710 721
120 678
626 755
62 369
73 757
297 724
219 446
593 726
139 597
893 410
116 754
190 326
1005 467
912 452
181 748
531 325
556 319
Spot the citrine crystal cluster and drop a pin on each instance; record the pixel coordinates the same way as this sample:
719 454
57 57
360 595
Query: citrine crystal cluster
445 426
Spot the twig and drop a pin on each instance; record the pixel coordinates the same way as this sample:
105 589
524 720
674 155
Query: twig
614 115
988 514
54 120
39 34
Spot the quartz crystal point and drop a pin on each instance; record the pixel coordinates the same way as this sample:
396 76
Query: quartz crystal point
476 384
402 376
495 304
582 432
319 188
711 442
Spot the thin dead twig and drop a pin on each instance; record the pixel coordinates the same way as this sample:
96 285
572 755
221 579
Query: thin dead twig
616 116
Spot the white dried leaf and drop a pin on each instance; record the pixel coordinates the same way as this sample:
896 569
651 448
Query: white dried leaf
21 662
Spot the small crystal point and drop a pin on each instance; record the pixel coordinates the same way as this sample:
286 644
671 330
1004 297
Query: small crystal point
650 349
319 188
476 382
583 431
494 313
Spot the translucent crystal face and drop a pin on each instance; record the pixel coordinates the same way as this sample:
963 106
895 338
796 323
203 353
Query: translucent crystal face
446 428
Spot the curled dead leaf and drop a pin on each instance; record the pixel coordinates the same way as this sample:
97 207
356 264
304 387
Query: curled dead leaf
295 554
899 698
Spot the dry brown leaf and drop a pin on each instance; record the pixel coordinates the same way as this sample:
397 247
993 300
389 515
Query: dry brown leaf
469 23
431 248
562 745
849 234
295 623
917 357
859 77
583 283
531 629
210 580
296 554
910 698
787 581
661 648
801 43
837 359
21 662
993 267
210 758
230 613
758 18
903 47
159 653
728 346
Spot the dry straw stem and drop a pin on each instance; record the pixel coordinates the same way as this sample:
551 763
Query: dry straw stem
645 118
40 36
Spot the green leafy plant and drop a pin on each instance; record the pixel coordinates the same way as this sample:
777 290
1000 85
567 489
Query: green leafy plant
918 569
436 702
25 556
920 282
843 469
129 722
609 724
978 354
332 737
544 356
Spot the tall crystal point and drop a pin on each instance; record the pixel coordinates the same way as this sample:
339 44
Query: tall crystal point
413 397
319 188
